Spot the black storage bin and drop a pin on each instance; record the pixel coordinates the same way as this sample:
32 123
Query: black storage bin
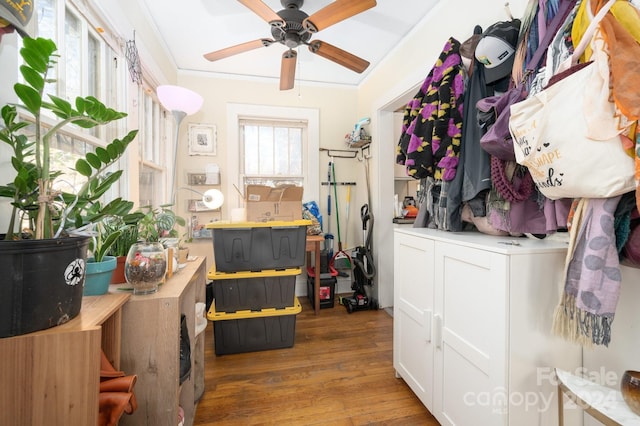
327 291
256 246
254 290
248 331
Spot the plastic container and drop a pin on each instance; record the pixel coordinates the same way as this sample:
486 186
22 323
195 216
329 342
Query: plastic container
255 246
327 291
251 331
254 290
42 283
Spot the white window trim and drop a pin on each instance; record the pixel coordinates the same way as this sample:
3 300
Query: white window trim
237 111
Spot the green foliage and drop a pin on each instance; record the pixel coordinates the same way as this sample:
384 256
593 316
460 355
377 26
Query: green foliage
159 223
127 225
50 213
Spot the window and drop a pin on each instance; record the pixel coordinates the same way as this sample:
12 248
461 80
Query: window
154 127
272 151
82 71
284 125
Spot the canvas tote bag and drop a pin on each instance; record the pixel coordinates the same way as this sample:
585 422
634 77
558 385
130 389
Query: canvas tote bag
568 135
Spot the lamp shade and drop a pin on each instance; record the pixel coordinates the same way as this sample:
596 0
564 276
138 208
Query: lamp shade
213 199
176 98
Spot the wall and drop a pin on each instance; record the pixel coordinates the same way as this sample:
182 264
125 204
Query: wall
336 106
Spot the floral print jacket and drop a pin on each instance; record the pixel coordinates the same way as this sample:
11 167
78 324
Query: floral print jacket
429 145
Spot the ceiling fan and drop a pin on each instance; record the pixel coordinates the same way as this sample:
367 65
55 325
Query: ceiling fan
293 27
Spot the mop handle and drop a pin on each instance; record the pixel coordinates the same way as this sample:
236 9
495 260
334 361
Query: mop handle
335 195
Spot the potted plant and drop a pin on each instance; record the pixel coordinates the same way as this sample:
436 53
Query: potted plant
114 234
100 266
43 230
128 227
146 263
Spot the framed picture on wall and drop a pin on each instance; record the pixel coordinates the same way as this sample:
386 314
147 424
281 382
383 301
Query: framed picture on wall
202 139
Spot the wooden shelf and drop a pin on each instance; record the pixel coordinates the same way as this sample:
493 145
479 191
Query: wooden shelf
51 376
151 348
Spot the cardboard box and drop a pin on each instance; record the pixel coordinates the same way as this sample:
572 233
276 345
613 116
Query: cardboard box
266 204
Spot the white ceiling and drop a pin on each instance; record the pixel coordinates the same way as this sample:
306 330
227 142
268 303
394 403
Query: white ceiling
191 29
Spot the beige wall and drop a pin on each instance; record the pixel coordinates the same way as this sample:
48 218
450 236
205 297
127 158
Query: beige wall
337 111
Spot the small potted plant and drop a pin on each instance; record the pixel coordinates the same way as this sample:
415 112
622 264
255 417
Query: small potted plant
44 220
128 227
100 266
146 262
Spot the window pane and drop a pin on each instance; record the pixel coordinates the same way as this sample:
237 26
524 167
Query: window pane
72 57
250 149
150 185
272 152
93 70
47 28
265 150
295 151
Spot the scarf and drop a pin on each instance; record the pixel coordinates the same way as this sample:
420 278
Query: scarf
592 271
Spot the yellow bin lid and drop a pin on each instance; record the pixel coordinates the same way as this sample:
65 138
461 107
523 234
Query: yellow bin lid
215 275
222 224
212 315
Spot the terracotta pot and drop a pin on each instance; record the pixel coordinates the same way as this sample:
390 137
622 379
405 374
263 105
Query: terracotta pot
118 273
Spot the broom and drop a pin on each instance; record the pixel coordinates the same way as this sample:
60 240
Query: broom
341 259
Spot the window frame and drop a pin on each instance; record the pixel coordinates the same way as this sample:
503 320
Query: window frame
237 112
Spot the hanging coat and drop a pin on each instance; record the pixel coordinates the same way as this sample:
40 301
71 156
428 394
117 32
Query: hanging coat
429 145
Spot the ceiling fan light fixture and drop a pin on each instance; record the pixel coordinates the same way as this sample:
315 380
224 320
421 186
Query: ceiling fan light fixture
288 69
293 27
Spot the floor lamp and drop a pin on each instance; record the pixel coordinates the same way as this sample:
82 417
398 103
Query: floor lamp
181 102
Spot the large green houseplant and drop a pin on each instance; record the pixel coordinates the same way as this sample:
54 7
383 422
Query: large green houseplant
44 218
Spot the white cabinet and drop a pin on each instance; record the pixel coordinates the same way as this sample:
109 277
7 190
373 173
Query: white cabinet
472 321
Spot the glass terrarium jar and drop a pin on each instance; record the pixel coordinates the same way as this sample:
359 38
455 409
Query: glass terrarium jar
145 267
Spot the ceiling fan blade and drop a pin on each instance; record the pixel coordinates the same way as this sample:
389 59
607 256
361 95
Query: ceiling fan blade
288 69
335 12
238 48
265 12
338 56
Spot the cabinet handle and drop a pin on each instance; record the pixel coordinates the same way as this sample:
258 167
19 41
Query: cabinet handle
438 330
428 315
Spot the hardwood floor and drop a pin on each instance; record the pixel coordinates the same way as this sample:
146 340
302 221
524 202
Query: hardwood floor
339 372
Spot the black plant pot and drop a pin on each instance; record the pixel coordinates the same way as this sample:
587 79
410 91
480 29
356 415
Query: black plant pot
41 284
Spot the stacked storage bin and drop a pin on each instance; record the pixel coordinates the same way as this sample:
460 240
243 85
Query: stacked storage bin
253 278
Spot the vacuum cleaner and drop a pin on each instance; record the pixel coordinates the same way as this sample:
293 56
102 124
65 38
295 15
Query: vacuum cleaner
364 269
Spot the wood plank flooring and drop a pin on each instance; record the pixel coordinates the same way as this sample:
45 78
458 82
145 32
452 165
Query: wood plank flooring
339 372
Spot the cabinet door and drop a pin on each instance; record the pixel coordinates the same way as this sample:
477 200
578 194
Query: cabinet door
413 314
470 333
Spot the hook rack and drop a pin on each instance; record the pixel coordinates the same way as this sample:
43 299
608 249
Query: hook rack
348 153
338 183
340 153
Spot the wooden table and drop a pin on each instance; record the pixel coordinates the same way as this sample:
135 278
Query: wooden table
313 245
